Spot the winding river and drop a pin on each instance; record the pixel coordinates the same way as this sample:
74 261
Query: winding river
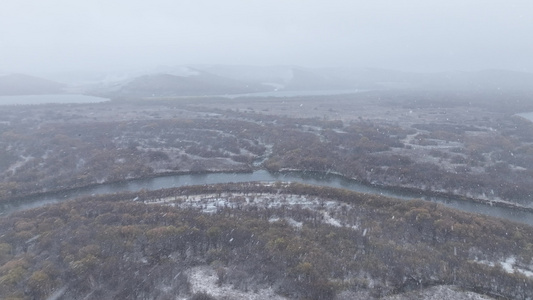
330 180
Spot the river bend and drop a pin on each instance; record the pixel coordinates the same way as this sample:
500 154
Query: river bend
330 180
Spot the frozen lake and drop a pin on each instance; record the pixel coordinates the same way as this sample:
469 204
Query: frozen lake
527 115
46 99
297 93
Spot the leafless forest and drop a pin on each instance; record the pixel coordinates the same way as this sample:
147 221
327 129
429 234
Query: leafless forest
268 240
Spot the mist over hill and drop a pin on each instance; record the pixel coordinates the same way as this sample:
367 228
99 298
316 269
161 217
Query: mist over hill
213 80
20 84
301 78
227 79
209 80
410 133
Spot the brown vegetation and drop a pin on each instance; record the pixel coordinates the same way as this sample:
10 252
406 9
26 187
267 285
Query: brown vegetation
110 247
45 150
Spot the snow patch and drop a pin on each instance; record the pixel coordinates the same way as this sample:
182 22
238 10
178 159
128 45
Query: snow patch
290 221
331 221
211 203
13 168
509 265
204 279
438 293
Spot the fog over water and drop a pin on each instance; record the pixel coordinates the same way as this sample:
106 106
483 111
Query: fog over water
47 36
43 99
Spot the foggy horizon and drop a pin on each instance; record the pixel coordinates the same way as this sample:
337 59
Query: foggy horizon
59 36
267 150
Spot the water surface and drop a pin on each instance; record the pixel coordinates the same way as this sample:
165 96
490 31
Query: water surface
296 93
47 99
320 179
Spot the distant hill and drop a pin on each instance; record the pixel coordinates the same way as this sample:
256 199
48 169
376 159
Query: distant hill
306 79
486 80
283 77
192 83
20 84
227 79
299 78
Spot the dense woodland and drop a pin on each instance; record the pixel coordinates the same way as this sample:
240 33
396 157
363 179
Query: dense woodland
109 247
68 146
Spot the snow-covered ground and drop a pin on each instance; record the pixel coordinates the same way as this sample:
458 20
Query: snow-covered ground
441 292
509 265
204 279
211 203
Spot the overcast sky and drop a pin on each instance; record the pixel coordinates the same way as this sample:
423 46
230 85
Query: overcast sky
412 35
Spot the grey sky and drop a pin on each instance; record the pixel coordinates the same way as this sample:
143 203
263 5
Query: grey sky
413 35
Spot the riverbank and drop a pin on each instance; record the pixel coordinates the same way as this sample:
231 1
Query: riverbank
423 194
401 192
104 183
202 181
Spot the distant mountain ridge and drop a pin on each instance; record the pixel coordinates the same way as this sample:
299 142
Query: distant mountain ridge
299 78
210 80
20 84
194 82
